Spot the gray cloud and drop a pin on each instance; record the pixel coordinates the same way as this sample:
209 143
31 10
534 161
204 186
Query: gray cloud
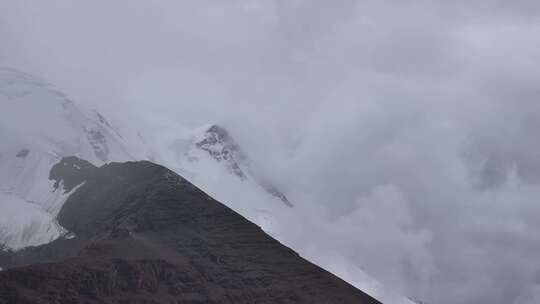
408 129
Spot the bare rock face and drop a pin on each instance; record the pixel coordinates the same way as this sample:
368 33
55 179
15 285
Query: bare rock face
146 235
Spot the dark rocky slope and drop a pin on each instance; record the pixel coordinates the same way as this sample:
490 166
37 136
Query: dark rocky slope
146 235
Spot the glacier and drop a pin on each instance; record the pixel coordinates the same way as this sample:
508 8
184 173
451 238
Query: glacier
38 126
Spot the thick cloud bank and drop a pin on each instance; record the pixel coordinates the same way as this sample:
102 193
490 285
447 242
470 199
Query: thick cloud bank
407 129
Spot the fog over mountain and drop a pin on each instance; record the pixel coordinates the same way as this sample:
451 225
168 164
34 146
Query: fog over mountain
42 128
405 131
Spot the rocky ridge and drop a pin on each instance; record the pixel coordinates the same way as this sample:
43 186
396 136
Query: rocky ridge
146 235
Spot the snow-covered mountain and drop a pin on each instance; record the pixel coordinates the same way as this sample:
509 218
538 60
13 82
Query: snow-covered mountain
217 142
210 153
210 158
38 126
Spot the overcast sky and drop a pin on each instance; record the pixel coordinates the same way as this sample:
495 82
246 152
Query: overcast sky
412 127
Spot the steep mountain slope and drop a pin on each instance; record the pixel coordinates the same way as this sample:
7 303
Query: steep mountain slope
209 152
217 142
146 235
38 126
212 159
209 157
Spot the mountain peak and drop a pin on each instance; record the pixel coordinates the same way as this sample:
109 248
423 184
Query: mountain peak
222 147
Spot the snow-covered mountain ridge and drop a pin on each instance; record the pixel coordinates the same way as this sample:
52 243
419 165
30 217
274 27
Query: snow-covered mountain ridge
39 126
223 148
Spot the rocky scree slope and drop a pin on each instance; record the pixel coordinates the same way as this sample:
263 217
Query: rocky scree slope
146 235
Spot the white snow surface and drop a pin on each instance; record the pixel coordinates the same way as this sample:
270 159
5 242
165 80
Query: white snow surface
25 223
39 125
